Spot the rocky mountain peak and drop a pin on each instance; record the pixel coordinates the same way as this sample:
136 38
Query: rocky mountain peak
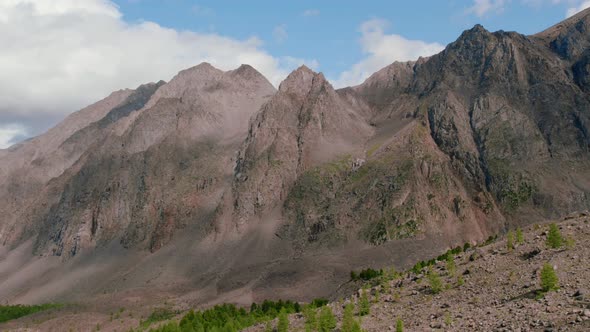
246 71
203 67
478 28
300 81
250 78
473 37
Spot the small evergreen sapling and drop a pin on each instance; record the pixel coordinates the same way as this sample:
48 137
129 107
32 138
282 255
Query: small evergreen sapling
510 241
399 325
349 324
519 236
327 321
549 280
283 324
311 322
268 327
436 285
364 305
451 266
554 238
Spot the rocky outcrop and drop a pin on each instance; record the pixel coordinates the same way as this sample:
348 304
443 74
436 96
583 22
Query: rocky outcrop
305 124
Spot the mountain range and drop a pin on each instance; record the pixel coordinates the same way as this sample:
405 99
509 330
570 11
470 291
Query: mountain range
216 186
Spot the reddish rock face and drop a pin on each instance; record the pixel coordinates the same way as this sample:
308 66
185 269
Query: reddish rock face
424 155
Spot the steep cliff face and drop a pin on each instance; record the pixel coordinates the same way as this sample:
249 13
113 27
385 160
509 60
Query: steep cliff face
490 131
505 108
27 167
305 124
155 163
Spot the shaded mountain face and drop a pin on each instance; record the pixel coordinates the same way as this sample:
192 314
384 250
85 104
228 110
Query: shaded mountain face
150 165
489 133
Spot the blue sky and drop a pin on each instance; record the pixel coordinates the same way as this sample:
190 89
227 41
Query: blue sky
328 31
61 55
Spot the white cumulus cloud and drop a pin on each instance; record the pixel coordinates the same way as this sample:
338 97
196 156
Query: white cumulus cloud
382 49
61 55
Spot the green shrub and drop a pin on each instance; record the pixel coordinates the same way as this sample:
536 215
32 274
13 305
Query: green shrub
436 285
421 265
283 325
319 302
554 238
366 274
549 279
364 304
491 239
327 321
399 325
466 246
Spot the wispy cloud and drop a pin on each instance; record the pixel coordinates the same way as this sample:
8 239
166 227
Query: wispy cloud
202 11
483 7
280 33
311 12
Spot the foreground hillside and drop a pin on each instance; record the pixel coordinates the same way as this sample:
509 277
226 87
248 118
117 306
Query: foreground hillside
489 287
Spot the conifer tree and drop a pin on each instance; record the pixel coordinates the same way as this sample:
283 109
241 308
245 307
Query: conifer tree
310 318
554 238
510 241
327 321
549 280
436 285
283 325
364 304
519 236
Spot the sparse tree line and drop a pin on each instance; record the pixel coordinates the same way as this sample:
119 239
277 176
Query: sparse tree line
319 317
9 312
